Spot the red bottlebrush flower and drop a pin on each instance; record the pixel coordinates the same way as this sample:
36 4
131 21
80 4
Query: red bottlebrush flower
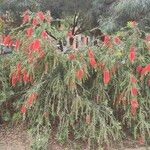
71 56
40 15
31 48
7 40
148 38
139 69
26 18
106 76
31 99
106 39
19 66
92 62
17 45
69 34
36 45
146 69
19 78
34 22
23 109
29 32
134 103
90 53
25 76
44 34
133 80
134 91
11 43
132 54
80 74
117 40
14 79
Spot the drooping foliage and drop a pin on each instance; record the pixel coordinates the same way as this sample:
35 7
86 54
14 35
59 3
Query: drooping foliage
94 94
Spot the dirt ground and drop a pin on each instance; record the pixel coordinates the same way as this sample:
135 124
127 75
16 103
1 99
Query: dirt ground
17 138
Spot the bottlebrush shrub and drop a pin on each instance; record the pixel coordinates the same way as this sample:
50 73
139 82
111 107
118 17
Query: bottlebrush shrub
94 94
5 90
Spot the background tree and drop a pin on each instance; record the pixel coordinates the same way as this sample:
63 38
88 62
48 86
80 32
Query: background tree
63 9
14 8
114 14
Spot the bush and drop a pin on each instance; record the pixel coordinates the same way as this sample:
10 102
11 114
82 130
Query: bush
95 94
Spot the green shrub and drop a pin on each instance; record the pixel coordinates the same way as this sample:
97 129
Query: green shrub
92 94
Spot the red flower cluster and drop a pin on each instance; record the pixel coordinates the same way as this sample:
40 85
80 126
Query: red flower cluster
34 22
91 58
31 99
69 34
92 62
106 40
26 17
16 76
40 15
7 41
23 109
90 53
44 34
17 44
26 77
35 45
132 54
139 69
29 32
134 106
106 76
146 69
117 40
20 75
133 79
134 92
71 56
80 74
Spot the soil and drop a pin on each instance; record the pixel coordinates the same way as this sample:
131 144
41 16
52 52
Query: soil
17 138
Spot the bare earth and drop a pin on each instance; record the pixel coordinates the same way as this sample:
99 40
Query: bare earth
17 138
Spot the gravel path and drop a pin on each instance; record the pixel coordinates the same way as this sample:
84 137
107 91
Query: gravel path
14 138
17 138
